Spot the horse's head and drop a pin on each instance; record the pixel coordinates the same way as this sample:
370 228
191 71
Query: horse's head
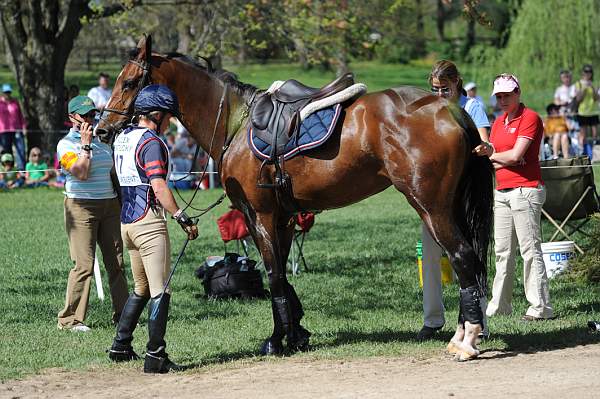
136 74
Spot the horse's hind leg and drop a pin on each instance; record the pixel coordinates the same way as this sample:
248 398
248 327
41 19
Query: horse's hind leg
466 265
273 237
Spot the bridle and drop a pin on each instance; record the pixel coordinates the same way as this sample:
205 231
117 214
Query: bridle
144 81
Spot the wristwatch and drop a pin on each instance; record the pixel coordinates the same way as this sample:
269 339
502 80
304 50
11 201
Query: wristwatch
86 147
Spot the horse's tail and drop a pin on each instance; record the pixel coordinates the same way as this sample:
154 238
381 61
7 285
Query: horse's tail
473 208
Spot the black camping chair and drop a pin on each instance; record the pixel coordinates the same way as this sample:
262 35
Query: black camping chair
571 196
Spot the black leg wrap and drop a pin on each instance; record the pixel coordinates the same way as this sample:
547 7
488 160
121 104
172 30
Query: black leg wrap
283 311
298 337
273 345
295 304
121 349
470 309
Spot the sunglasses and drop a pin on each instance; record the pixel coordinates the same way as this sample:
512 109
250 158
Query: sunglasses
444 91
36 154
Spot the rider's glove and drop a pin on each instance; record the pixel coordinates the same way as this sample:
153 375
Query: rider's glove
187 224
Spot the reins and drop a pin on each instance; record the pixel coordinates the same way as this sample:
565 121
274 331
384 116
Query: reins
212 139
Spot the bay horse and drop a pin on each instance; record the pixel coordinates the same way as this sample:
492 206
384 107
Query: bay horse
405 137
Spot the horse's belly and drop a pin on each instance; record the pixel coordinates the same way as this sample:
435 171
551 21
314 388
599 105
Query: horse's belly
323 187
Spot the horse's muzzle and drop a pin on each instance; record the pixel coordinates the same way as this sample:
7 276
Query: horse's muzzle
104 135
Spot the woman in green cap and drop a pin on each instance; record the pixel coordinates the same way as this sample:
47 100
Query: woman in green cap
92 212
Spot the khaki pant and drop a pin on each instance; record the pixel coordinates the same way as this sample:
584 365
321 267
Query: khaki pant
149 249
91 222
517 215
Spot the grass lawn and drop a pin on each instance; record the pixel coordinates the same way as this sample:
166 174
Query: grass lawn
361 296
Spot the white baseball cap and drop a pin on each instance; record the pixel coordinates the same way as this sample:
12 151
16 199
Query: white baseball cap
470 86
505 83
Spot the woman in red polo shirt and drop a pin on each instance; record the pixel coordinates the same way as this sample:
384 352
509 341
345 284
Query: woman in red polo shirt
520 193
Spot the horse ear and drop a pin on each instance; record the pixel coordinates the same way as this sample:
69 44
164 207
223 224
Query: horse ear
142 43
148 48
145 47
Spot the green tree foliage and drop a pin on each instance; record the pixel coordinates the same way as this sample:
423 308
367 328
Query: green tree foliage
546 37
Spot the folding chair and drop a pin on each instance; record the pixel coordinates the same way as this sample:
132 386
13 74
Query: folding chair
232 227
304 222
570 195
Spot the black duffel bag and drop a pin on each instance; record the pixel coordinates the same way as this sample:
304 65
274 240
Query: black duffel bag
234 276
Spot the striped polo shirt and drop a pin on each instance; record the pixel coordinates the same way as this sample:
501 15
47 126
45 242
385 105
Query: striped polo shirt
98 185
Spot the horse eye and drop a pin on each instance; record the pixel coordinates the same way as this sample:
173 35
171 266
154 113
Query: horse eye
128 84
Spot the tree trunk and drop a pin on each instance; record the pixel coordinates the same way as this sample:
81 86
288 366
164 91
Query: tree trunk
440 20
301 52
185 38
40 37
470 37
420 28
42 86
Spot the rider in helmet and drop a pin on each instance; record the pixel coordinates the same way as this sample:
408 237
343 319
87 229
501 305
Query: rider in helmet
143 166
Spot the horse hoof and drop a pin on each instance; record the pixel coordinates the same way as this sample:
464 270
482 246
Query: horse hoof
270 348
452 348
300 342
465 354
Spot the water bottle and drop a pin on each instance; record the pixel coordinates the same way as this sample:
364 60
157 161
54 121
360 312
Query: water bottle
244 266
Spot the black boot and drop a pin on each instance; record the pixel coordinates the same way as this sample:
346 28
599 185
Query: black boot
121 350
157 360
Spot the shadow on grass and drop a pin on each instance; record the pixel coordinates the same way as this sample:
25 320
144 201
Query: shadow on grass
221 358
381 337
515 344
534 342
224 357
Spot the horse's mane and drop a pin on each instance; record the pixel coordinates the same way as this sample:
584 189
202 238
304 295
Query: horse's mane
225 76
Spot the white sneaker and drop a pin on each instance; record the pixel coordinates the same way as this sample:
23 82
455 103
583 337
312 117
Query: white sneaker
80 328
76 328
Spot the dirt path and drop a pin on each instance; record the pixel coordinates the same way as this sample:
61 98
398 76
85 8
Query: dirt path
572 372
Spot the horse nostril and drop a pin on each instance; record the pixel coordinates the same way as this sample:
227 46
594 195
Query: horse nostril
102 134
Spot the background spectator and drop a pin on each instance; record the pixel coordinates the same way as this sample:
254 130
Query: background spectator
565 93
587 111
556 128
101 93
183 150
471 89
73 91
9 176
564 97
12 125
36 170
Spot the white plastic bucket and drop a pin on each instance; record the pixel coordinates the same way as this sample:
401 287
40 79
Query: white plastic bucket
557 255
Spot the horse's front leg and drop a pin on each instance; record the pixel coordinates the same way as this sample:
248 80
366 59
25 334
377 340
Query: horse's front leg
273 237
